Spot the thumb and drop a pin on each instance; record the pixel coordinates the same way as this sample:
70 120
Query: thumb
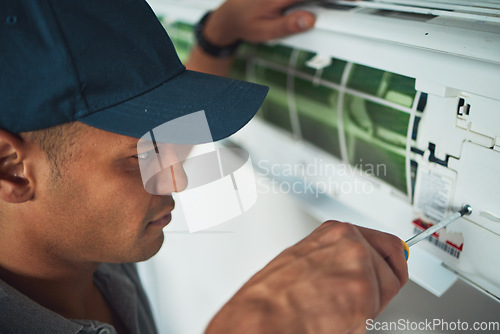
291 23
302 20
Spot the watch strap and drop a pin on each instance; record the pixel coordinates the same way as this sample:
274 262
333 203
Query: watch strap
208 47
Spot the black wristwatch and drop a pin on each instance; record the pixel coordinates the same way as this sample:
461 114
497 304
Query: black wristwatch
211 49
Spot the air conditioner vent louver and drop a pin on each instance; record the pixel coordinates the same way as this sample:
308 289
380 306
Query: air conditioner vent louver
487 11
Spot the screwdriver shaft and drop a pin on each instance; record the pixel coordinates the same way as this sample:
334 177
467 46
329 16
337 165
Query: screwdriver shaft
466 210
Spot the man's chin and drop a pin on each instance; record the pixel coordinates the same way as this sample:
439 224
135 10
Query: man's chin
151 248
143 252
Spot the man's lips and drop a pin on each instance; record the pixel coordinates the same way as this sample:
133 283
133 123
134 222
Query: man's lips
162 222
165 218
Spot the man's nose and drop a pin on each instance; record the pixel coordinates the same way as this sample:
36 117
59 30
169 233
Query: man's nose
171 176
177 180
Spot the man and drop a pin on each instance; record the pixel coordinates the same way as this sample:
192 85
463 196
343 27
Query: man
81 82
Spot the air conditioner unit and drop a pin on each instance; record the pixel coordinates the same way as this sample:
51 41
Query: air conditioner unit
409 86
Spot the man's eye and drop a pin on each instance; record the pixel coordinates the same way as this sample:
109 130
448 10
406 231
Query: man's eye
145 155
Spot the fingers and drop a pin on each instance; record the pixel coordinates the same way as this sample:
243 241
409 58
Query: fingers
301 20
337 277
389 263
385 252
390 249
256 21
387 282
361 329
292 23
388 246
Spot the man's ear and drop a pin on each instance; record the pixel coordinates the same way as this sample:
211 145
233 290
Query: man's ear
15 187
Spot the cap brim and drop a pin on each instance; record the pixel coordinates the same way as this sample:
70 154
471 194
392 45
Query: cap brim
228 104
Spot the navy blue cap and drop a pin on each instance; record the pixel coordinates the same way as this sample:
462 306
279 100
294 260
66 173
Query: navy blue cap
109 64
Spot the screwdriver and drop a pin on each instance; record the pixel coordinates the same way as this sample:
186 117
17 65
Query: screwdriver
466 210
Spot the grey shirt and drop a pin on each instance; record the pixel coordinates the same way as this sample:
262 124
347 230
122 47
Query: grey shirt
120 285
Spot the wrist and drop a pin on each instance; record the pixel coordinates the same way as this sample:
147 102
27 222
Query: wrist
254 309
214 40
218 31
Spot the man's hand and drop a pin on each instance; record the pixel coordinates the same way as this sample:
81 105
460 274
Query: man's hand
255 21
248 20
330 282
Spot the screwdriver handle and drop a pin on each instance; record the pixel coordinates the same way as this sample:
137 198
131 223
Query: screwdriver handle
406 250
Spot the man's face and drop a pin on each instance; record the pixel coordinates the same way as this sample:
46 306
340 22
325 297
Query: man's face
98 209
